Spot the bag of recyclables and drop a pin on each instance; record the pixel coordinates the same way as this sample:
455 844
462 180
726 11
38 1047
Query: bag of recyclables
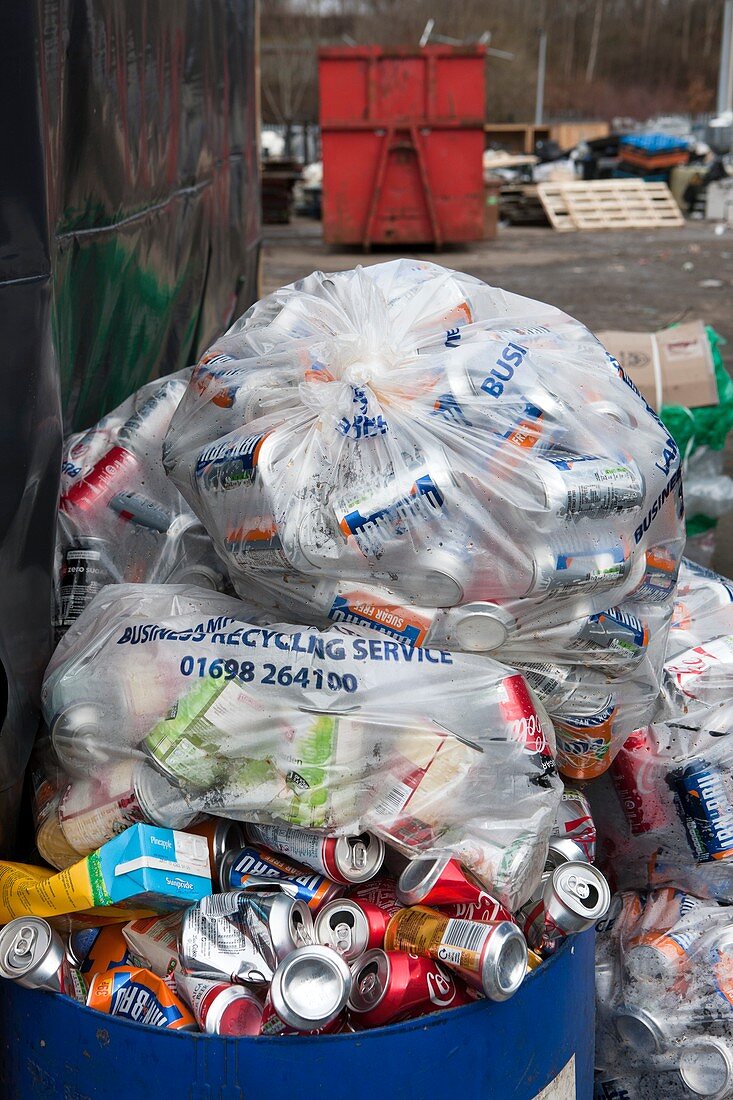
665 812
436 751
407 448
120 518
664 993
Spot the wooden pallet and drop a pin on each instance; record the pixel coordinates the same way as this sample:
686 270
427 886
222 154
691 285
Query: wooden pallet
609 204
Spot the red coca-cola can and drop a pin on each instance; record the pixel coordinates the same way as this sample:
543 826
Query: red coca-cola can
351 926
485 909
108 476
524 720
640 784
438 882
392 985
380 891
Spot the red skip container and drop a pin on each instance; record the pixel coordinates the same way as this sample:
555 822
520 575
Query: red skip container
403 139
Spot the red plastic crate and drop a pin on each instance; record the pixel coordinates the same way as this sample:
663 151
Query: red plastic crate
403 139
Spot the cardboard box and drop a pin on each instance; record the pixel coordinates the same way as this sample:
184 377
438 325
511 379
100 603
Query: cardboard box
670 367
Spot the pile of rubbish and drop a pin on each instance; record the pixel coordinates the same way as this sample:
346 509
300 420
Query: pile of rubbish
453 526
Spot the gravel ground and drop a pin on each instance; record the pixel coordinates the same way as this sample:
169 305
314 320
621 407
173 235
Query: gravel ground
620 279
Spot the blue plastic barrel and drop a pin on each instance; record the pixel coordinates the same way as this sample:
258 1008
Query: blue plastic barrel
54 1048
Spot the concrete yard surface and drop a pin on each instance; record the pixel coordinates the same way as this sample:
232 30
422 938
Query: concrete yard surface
640 280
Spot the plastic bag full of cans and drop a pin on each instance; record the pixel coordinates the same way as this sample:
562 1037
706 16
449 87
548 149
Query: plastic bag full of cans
664 994
665 810
178 701
310 934
120 518
406 448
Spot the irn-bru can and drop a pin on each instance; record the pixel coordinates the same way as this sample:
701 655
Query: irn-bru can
706 808
94 950
410 498
389 986
491 957
660 958
252 865
256 544
615 633
234 463
584 741
141 996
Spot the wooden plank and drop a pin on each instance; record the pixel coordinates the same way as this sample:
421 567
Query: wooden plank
609 204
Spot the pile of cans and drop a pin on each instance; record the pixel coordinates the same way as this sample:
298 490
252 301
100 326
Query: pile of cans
665 820
405 449
311 934
120 518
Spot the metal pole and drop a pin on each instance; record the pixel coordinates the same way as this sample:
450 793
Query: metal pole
539 102
725 73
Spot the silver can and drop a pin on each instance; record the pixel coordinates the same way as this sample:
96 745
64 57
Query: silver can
343 926
569 899
640 1029
288 921
345 859
559 686
219 939
586 485
34 955
706 1067
480 627
78 740
564 849
575 570
575 895
310 988
574 819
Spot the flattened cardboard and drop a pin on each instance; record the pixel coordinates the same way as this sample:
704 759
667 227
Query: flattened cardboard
686 370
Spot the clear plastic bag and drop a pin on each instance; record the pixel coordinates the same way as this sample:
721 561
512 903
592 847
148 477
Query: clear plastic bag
664 994
432 750
665 812
120 518
405 448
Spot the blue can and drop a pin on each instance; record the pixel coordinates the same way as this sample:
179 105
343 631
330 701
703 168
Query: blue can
704 805
255 866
